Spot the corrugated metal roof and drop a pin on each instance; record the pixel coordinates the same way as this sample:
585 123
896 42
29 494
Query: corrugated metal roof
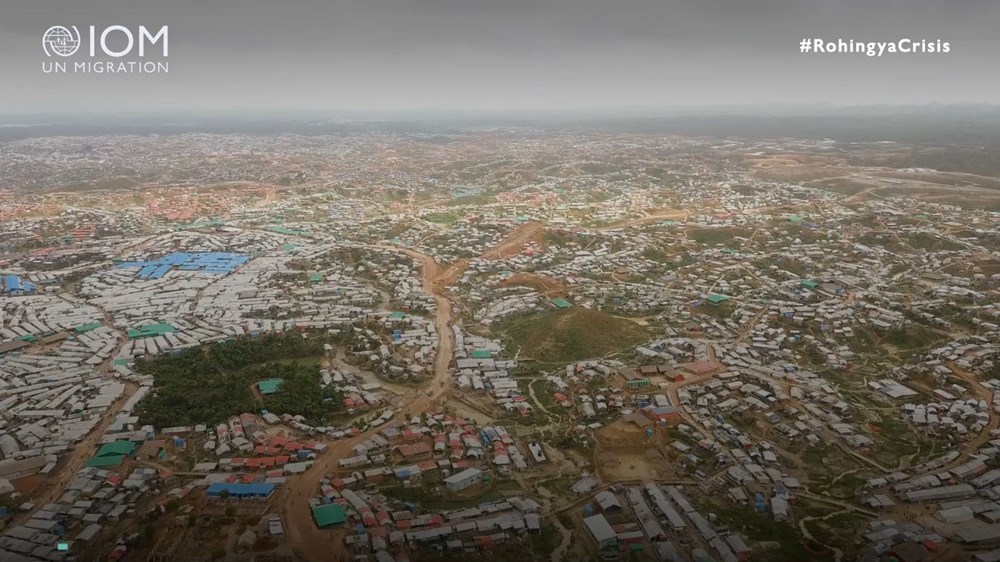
329 515
561 303
119 447
241 490
150 330
105 461
269 386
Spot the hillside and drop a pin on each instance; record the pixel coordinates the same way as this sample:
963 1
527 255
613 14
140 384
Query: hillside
572 334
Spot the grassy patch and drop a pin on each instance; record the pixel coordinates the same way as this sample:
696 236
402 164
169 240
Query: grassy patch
896 439
838 529
481 199
763 528
571 334
443 218
443 499
913 336
717 235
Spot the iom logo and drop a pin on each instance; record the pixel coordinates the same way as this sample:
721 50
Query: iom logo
115 41
59 40
111 49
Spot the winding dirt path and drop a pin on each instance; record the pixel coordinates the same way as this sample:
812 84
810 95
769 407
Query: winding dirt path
307 540
838 554
514 243
72 463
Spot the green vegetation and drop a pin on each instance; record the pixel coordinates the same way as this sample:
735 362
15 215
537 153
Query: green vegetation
931 243
717 312
571 334
835 529
443 218
548 540
443 499
762 527
981 160
895 440
553 237
843 485
210 383
481 199
913 337
712 236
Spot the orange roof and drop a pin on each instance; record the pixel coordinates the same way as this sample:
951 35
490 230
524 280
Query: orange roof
414 449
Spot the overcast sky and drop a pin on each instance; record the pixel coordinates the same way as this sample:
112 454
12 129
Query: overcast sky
507 54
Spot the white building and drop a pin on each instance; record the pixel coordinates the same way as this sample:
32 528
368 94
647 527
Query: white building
465 479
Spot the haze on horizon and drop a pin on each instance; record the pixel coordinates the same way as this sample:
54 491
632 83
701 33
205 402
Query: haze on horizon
514 55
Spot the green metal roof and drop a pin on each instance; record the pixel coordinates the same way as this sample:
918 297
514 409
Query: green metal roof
119 447
397 315
315 278
561 303
329 515
149 330
481 354
84 328
106 461
269 386
809 284
717 299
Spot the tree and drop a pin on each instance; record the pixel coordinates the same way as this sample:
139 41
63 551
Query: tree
211 383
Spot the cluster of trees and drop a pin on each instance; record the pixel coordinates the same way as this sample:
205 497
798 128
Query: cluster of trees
208 384
300 392
241 352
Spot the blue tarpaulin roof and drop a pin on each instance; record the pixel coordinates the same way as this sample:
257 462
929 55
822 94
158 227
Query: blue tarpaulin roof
12 283
241 490
209 262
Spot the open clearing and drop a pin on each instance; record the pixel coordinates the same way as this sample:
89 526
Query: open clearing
571 334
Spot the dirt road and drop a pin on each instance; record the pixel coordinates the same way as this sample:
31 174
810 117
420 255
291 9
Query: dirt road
314 544
982 393
71 464
515 241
